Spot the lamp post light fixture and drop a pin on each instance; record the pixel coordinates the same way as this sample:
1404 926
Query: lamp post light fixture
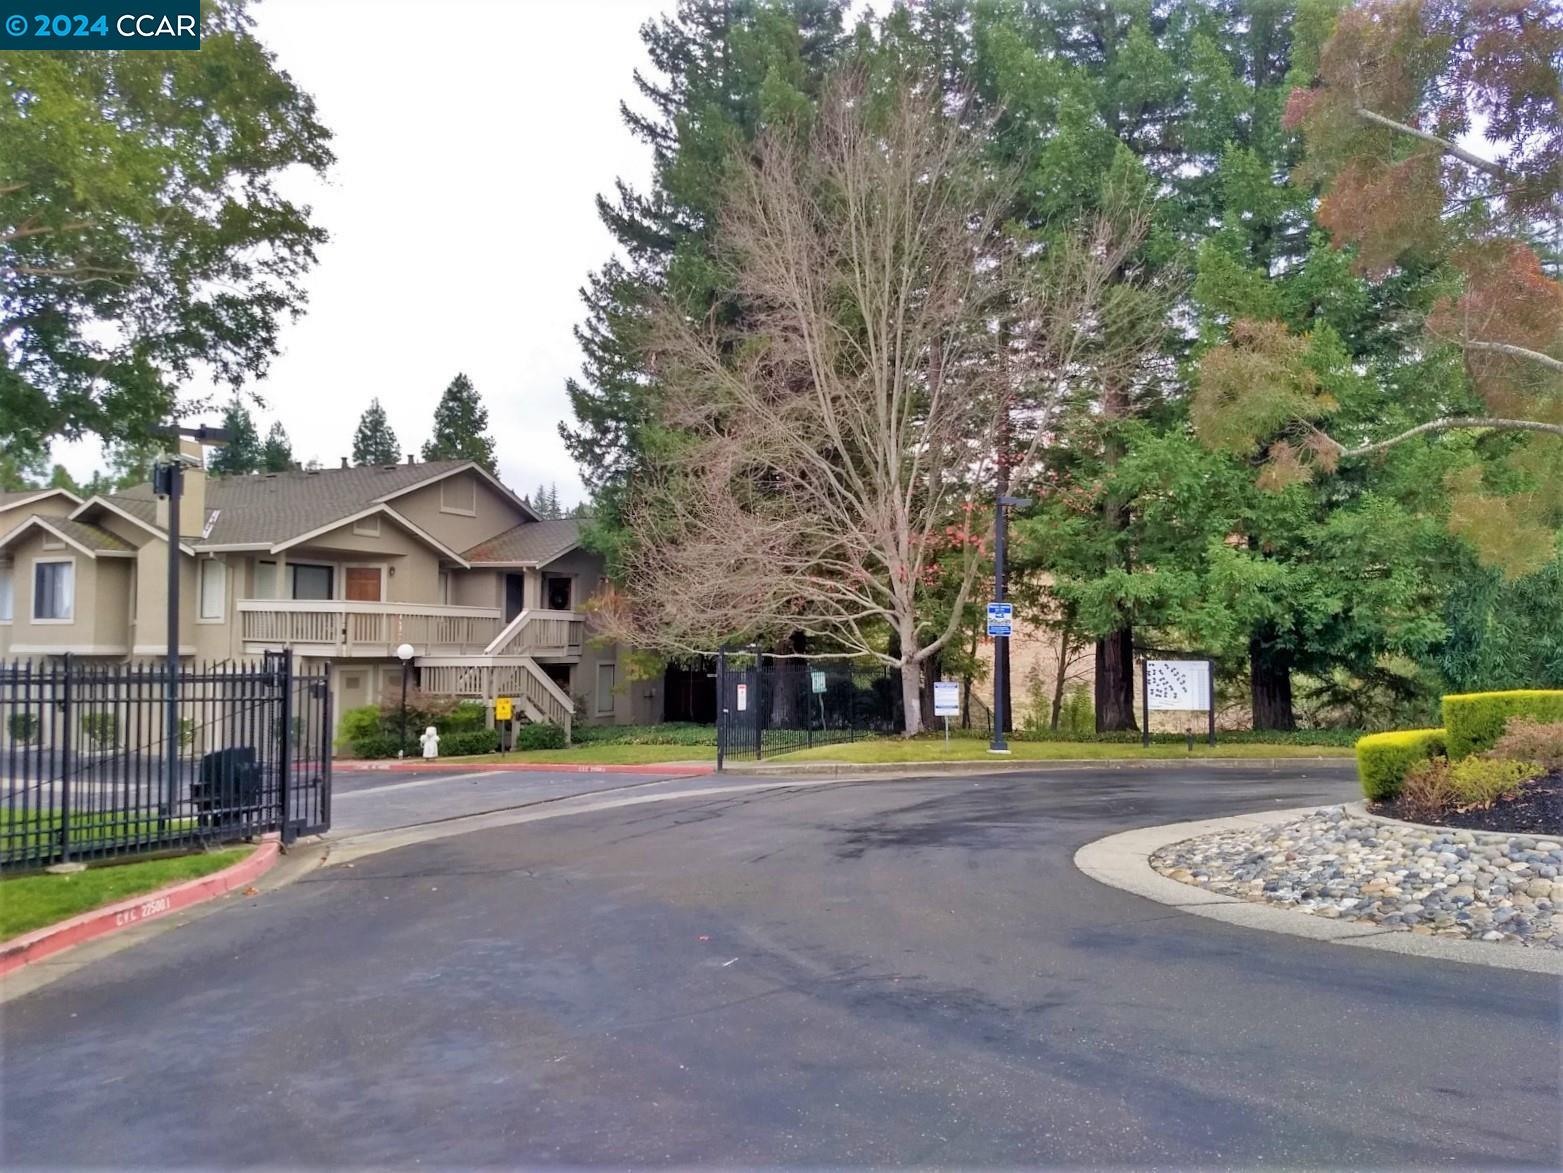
404 653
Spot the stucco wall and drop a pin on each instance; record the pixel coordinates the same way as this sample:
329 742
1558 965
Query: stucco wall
98 614
494 514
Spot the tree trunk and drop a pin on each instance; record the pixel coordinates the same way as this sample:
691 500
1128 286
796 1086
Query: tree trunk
1270 682
1065 638
1115 682
912 696
931 668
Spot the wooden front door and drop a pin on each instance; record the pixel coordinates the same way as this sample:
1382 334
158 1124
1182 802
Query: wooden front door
363 584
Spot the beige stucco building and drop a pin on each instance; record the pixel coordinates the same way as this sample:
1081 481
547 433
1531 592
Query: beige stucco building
340 565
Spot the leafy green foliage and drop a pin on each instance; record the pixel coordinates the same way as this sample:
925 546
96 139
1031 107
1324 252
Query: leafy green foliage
469 741
22 728
101 728
461 427
375 442
142 232
1476 720
1437 787
277 451
539 735
1383 759
242 453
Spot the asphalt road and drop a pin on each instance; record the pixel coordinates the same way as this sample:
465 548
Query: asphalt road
907 973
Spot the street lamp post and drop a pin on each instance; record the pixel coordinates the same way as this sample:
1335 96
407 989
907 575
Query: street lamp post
1000 659
404 653
168 481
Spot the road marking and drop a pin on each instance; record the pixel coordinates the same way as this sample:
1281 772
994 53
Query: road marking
342 794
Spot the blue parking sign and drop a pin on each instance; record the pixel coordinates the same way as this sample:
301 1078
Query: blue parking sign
1001 618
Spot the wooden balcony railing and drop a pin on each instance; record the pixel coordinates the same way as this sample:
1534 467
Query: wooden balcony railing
555 634
337 627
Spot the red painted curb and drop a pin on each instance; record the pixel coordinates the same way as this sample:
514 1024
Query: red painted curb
50 939
670 770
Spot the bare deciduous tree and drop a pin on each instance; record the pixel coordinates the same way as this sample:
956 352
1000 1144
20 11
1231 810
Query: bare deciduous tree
828 450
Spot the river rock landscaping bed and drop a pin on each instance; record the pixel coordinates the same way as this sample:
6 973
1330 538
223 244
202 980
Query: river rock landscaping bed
1448 882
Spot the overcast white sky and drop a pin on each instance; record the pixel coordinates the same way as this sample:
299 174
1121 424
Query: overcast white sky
471 138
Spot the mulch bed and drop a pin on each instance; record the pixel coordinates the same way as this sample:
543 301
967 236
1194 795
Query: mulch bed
1536 810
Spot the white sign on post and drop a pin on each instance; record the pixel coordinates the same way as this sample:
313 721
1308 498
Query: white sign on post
817 680
743 697
1177 684
946 698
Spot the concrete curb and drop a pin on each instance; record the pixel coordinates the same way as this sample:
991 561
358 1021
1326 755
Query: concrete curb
51 939
445 766
1123 861
1001 765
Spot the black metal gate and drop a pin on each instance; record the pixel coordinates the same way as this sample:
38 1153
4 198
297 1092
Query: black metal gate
772 705
88 769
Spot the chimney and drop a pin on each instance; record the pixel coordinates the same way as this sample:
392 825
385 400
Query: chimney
412 458
192 497
344 462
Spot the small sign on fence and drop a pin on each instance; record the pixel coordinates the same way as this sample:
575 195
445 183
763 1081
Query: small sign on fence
817 680
743 697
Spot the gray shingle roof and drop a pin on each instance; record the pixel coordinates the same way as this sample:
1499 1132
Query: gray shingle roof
12 496
273 507
537 542
92 537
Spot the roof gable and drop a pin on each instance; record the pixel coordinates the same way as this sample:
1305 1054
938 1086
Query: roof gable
535 543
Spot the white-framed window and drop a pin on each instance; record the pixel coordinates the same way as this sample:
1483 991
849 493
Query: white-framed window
607 677
459 495
214 589
368 527
54 590
5 593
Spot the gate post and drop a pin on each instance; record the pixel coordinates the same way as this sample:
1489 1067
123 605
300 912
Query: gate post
285 756
721 707
65 765
759 729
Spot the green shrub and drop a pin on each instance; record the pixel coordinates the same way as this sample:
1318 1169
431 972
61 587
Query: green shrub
22 727
354 724
101 728
1434 788
381 745
1384 758
1475 720
466 717
468 741
1525 740
539 736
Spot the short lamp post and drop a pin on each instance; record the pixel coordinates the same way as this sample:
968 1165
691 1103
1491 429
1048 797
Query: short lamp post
404 653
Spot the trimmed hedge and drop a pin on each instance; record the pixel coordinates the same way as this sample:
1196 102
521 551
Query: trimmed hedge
1384 758
536 735
470 741
1475 720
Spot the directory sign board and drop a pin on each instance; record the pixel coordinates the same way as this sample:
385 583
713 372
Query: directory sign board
1181 685
946 698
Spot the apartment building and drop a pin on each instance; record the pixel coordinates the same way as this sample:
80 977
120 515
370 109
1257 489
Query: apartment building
340 565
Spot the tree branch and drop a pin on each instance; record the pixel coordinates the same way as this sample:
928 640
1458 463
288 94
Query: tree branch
1444 425
1443 144
1513 351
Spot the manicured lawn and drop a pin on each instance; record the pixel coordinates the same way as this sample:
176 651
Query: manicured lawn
88 829
973 750
30 902
602 755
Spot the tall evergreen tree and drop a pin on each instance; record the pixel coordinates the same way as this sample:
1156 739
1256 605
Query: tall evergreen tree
723 69
242 453
461 426
277 452
374 442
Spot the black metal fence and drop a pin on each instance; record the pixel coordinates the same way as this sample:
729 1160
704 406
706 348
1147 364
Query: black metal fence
87 769
767 705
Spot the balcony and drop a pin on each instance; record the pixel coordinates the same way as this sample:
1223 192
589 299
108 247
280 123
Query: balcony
336 627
